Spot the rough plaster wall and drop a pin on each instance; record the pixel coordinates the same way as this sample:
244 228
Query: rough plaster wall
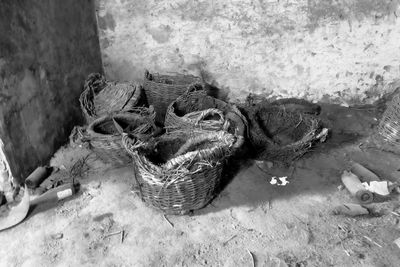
46 50
329 50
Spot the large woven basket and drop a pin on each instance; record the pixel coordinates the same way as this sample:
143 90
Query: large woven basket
179 173
281 135
389 125
198 110
104 137
101 97
161 90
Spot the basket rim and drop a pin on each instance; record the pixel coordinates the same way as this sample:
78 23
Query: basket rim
309 136
242 126
228 138
126 115
195 79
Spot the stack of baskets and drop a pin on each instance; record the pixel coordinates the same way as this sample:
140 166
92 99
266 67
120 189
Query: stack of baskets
180 171
106 104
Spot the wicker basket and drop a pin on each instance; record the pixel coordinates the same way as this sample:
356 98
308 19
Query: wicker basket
198 110
104 137
101 97
389 125
161 90
280 135
179 173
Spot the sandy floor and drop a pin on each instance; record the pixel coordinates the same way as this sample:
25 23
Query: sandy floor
290 224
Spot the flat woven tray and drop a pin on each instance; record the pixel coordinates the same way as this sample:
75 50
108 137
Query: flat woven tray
101 97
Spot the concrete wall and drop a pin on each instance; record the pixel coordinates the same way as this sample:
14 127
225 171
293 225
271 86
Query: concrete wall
47 47
345 51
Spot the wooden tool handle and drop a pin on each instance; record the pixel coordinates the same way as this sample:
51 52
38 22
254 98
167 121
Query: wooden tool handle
363 173
38 176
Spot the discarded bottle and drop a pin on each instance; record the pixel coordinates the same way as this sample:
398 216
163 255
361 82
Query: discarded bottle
350 209
356 189
363 173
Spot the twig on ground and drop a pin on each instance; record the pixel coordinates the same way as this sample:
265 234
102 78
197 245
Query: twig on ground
252 258
345 250
227 241
111 234
168 221
372 241
395 213
122 236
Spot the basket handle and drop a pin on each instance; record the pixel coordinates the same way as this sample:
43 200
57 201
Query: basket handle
157 130
131 143
208 112
241 125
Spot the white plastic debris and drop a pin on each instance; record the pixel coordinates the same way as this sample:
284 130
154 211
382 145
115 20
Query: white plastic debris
279 181
273 180
378 187
283 181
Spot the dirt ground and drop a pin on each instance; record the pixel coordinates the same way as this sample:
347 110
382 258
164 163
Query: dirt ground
251 219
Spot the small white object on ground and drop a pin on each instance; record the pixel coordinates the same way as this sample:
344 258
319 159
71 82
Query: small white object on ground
279 181
378 187
323 135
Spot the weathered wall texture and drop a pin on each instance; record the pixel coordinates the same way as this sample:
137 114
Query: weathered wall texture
330 50
47 47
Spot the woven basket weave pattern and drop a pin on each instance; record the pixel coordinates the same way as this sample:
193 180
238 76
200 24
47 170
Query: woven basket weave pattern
161 90
108 146
101 97
187 181
202 106
304 131
389 125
